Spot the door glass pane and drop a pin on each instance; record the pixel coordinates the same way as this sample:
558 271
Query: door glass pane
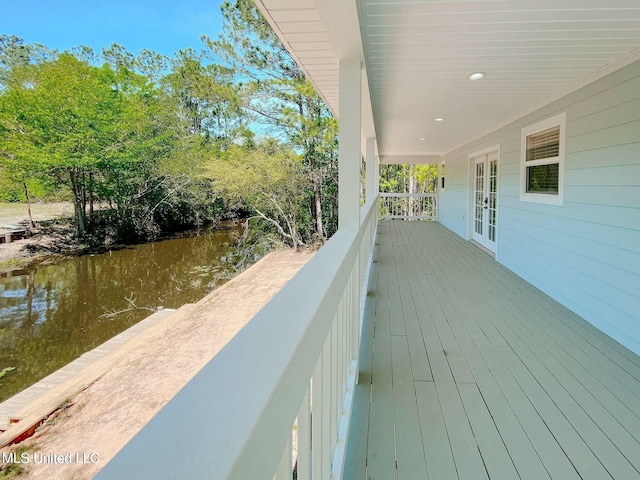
493 199
479 197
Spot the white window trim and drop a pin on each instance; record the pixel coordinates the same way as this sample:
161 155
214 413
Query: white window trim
546 198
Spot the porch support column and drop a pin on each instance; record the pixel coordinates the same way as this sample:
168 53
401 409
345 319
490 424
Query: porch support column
349 145
376 185
372 170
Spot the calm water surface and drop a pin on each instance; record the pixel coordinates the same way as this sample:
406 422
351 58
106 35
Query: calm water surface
53 314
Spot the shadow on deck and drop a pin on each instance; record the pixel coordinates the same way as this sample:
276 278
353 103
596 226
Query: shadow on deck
469 372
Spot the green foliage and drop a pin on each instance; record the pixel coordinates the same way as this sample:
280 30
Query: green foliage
146 144
16 469
6 370
112 136
15 55
205 96
63 118
408 178
277 95
269 181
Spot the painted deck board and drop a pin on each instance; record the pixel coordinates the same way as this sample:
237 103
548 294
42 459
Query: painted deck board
596 414
381 454
559 386
409 451
484 361
494 452
478 374
419 359
435 441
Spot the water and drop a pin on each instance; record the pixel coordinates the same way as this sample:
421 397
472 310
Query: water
52 314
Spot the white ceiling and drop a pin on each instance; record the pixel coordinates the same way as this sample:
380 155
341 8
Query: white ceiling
419 54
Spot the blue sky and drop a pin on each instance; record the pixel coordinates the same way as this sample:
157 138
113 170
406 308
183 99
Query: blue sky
164 26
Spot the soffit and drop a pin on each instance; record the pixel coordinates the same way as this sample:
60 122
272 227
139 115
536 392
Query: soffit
419 54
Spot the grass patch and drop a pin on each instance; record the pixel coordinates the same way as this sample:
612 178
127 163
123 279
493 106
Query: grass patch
24 261
60 414
15 469
17 263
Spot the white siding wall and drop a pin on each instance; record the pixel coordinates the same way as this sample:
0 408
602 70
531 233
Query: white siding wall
586 253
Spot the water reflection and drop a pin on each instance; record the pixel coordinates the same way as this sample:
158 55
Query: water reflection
53 314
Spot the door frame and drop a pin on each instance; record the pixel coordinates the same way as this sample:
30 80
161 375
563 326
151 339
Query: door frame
495 149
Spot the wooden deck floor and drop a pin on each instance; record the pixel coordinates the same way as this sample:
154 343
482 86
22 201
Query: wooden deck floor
469 372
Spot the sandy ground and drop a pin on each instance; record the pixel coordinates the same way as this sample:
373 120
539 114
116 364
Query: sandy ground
13 214
12 251
102 418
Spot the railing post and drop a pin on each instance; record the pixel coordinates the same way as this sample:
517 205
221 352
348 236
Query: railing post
285 468
304 438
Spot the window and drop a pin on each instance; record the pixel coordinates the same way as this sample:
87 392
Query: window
442 165
542 171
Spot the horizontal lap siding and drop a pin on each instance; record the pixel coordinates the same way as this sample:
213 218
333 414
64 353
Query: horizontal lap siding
452 201
585 253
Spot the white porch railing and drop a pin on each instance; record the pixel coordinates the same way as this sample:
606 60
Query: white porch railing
409 206
296 360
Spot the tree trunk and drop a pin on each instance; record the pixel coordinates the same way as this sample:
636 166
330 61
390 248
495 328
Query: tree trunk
91 197
78 208
26 193
83 190
78 205
318 207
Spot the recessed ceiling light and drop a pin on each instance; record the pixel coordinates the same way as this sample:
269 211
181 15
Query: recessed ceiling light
439 119
476 75
414 149
422 139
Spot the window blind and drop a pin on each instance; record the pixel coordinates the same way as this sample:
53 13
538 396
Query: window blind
544 144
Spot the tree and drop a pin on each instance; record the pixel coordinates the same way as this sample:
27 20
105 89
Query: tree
159 142
15 55
80 125
70 112
403 178
278 96
268 180
205 96
19 160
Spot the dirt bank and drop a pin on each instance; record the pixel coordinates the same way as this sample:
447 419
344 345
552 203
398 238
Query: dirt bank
45 245
152 368
41 248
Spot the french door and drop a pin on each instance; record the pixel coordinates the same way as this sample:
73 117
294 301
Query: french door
485 200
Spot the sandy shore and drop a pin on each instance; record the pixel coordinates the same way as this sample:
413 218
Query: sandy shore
100 420
18 254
